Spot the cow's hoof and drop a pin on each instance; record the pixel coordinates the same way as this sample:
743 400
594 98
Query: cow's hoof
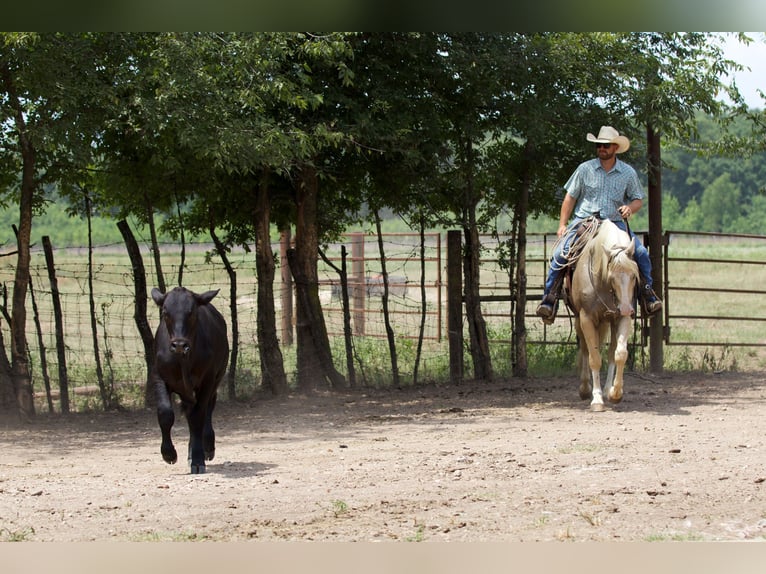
170 456
597 407
197 469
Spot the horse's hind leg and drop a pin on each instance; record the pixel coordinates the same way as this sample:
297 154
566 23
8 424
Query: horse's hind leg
583 369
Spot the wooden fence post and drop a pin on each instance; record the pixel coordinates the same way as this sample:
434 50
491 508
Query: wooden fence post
359 286
287 287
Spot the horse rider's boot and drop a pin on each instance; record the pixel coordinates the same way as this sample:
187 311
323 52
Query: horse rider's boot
549 305
650 303
547 308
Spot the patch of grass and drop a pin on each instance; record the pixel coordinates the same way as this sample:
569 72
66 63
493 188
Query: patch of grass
169 537
579 448
689 359
339 508
23 535
419 536
674 537
545 360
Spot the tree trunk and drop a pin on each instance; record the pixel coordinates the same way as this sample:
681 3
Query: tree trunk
520 365
654 160
59 323
155 244
106 394
477 327
7 396
232 375
41 345
423 301
386 315
313 352
20 374
272 362
347 333
139 282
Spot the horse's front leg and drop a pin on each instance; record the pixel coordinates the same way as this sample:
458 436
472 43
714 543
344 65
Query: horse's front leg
590 332
621 335
610 366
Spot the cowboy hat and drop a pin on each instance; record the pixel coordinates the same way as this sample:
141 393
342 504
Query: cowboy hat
607 134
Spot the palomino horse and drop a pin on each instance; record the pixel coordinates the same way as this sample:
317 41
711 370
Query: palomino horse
602 297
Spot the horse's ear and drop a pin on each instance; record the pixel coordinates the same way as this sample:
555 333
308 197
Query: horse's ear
631 248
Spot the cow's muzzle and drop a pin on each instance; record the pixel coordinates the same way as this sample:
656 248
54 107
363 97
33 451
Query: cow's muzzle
180 347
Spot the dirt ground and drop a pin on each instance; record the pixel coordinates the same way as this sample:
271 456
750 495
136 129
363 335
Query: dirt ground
681 458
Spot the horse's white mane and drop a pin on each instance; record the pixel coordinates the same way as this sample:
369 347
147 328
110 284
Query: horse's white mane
612 243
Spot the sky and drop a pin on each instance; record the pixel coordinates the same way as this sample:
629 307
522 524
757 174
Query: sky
754 57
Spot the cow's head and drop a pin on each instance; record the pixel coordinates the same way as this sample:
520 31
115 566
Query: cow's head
179 313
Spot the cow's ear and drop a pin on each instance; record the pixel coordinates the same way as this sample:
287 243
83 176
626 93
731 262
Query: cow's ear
207 296
158 296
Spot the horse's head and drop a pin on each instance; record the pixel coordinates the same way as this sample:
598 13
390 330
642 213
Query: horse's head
622 274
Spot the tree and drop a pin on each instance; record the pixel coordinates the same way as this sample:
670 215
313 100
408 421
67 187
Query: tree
44 135
662 81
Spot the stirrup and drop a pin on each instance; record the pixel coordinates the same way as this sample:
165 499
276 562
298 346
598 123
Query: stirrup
648 307
547 309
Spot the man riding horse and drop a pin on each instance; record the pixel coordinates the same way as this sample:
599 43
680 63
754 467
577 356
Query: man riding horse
608 188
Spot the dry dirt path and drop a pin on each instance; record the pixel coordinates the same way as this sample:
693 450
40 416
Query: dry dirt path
682 458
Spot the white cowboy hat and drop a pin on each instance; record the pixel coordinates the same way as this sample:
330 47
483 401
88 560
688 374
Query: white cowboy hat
607 134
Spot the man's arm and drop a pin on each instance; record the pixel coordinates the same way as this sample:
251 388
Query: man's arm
567 206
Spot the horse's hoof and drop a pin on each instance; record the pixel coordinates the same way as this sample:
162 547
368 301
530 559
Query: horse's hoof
615 400
597 407
197 469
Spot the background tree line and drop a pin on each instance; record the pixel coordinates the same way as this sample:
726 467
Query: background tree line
235 134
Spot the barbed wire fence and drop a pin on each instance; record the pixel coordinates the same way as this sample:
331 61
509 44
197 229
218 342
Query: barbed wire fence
121 348
417 280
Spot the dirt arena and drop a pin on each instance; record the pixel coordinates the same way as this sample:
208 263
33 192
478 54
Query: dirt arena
681 458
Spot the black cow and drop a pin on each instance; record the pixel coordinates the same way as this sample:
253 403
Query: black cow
191 351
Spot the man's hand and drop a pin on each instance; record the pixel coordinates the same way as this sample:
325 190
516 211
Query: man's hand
625 211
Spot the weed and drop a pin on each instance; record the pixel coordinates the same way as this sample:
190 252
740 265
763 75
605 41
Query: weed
24 535
339 508
419 536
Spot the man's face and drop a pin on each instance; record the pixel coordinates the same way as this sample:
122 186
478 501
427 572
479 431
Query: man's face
605 151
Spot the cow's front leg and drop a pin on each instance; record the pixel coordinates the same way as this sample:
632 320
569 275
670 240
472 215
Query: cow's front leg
195 415
166 417
208 434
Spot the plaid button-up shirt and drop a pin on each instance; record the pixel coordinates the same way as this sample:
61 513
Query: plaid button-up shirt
601 193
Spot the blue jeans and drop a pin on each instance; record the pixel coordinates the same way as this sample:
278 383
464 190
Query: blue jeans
558 260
